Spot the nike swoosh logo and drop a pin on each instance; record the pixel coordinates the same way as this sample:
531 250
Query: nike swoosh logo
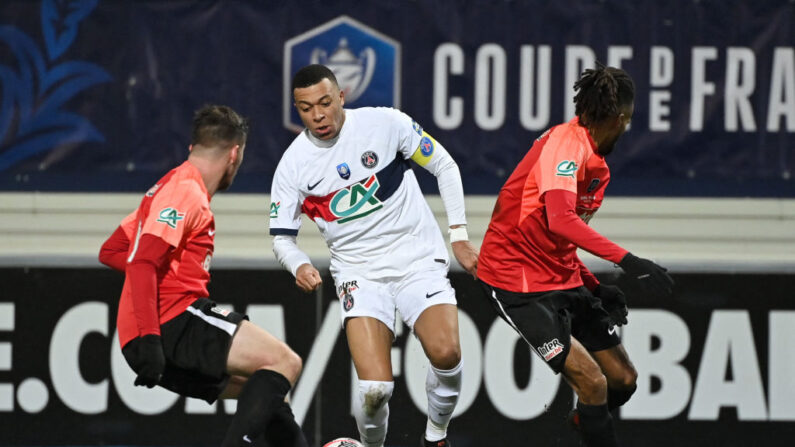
211 232
612 330
428 295
311 187
247 439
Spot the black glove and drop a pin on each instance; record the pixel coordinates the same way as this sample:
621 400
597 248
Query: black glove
614 302
653 278
149 361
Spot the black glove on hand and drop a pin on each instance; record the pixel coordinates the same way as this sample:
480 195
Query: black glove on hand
614 302
653 278
151 361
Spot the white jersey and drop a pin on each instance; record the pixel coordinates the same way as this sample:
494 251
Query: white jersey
362 194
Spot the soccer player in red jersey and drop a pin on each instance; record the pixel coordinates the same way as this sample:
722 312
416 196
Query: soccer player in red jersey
171 334
528 262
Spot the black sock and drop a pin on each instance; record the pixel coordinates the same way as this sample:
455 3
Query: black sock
260 397
283 431
596 426
617 397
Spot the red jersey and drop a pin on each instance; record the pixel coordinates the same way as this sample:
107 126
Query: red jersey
177 210
520 253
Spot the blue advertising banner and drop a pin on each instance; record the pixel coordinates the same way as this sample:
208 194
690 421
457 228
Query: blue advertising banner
98 95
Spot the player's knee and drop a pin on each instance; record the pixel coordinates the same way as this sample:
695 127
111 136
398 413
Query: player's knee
293 365
374 395
630 379
445 355
287 363
597 382
626 380
593 388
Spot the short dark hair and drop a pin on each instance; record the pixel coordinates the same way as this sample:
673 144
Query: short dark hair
601 92
218 125
311 75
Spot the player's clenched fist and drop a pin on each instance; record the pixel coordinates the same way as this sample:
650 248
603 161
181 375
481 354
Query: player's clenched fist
307 278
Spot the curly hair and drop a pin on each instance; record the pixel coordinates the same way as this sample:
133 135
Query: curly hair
601 92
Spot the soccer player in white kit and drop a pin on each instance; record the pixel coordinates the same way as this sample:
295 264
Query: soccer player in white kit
349 171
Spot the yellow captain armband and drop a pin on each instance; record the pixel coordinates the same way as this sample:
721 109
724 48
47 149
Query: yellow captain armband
424 153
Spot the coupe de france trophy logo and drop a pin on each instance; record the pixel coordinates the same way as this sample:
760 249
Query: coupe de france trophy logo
353 73
365 62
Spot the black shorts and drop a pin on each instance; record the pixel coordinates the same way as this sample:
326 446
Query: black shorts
548 320
196 346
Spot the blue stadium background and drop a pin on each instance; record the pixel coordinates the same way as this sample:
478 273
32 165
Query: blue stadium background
97 95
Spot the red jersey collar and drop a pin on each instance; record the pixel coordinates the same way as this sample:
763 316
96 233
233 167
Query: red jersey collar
576 122
194 172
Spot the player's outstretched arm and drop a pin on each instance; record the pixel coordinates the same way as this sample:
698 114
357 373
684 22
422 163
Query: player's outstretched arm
564 222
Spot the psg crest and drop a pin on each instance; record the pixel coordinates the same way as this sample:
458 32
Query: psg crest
347 301
369 159
344 291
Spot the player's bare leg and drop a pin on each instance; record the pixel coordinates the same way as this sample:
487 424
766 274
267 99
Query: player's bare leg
370 343
585 377
262 370
437 330
254 348
620 372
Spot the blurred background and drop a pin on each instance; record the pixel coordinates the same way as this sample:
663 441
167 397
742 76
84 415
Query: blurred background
96 99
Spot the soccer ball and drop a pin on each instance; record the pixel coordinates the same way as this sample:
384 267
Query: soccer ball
343 442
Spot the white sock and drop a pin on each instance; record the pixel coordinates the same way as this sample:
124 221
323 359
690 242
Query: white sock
443 388
371 410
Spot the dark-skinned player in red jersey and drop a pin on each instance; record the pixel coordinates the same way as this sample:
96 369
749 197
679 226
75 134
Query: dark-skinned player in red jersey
529 266
171 334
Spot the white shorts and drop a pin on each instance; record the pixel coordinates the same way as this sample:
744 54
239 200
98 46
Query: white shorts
409 295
